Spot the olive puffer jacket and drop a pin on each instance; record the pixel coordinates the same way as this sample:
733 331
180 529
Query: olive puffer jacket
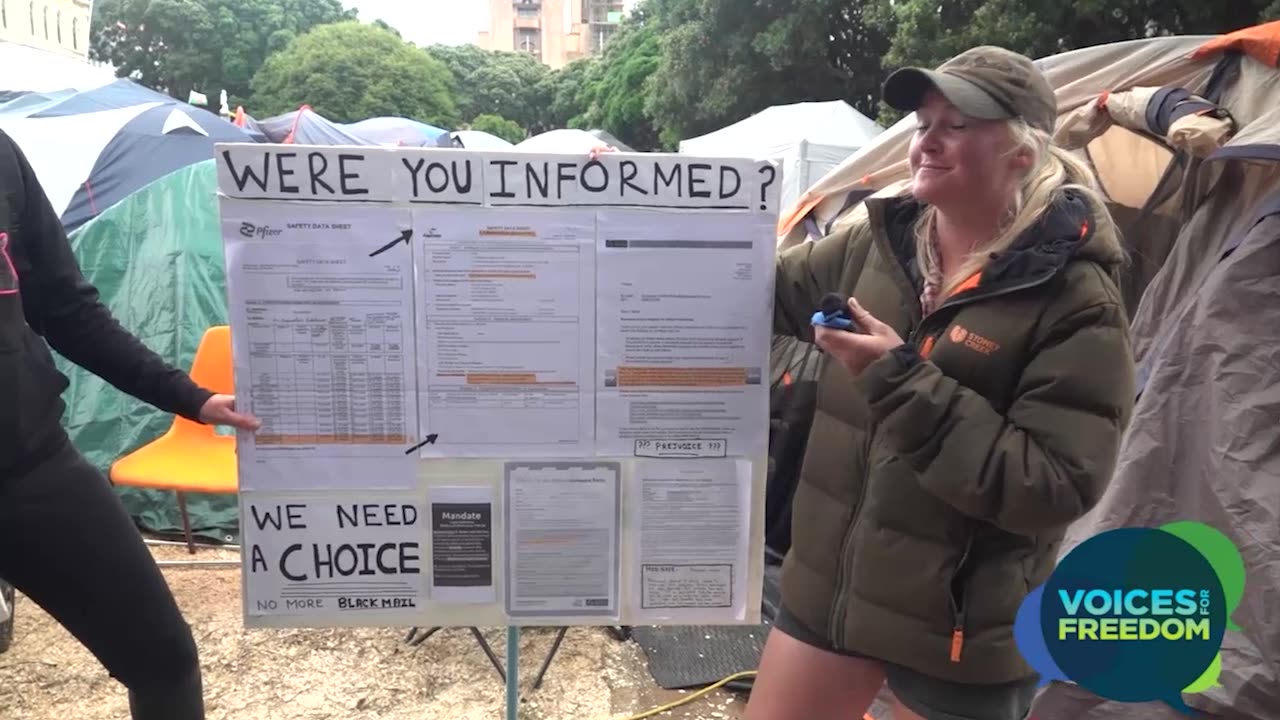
938 483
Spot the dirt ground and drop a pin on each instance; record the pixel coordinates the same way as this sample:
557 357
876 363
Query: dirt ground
362 674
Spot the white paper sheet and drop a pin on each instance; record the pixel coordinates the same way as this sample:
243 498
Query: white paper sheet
562 522
684 321
506 332
321 556
692 521
324 344
462 544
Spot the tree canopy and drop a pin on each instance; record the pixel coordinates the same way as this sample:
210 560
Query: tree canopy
348 72
674 69
177 46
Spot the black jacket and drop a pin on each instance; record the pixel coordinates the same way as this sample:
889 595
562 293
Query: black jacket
44 295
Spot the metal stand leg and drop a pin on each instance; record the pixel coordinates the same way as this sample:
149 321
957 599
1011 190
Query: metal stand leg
513 672
555 646
186 522
413 641
493 658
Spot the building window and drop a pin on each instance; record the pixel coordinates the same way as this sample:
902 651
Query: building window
75 33
4 13
31 15
46 22
59 27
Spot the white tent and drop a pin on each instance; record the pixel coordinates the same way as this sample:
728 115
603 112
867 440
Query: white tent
563 140
809 139
43 71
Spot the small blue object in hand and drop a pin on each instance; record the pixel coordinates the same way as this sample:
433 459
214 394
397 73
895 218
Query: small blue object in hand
834 313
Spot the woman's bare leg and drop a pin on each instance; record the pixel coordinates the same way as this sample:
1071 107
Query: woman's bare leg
801 682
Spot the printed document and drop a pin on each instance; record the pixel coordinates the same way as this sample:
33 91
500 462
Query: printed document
324 349
462 545
684 324
562 522
507 332
689 550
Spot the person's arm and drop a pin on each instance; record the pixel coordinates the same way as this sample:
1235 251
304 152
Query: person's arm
805 273
63 307
1045 462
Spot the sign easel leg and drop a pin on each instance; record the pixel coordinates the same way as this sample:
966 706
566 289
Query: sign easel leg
513 674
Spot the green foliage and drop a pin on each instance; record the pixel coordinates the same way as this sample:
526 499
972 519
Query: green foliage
675 69
206 45
495 83
497 125
722 60
348 72
614 89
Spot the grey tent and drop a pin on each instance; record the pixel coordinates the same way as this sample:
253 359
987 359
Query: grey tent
1190 161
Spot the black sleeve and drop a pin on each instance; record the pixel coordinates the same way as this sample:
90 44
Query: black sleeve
63 307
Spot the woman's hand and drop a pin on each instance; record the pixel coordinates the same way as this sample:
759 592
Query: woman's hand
857 350
221 410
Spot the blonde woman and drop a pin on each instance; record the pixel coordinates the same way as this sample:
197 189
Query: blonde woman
974 414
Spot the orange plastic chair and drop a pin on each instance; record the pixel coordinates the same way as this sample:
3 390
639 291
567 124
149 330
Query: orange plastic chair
190 456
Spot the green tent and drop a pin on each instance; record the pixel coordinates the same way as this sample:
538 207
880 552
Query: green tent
156 257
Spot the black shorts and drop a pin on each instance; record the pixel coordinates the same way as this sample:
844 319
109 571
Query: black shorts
929 697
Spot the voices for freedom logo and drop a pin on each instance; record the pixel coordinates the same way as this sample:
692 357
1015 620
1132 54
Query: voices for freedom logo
1136 614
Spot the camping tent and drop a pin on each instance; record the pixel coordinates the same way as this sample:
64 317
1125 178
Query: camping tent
305 126
396 131
1204 226
808 139
562 140
156 258
473 140
88 159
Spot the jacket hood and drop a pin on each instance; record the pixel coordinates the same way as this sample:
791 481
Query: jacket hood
1067 230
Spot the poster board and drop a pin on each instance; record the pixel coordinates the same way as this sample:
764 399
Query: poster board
499 388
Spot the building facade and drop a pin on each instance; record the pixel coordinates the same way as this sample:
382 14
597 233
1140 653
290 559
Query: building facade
555 32
60 26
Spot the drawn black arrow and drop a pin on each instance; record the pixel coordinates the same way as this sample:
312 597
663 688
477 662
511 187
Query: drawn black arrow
431 440
405 237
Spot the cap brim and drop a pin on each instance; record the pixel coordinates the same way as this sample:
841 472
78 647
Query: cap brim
905 90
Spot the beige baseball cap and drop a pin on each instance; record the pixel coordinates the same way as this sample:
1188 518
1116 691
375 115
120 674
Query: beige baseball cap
985 82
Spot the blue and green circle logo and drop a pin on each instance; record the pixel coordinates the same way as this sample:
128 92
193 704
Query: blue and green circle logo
1136 614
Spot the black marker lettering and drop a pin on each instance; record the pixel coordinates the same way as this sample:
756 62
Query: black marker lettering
413 172
463 187
695 181
271 518
343 175
284 563
629 172
444 181
543 182
258 559
242 180
502 178
737 180
604 172
284 172
562 177
660 177
317 175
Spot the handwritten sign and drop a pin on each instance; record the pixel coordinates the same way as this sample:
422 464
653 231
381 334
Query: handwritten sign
442 176
327 557
299 172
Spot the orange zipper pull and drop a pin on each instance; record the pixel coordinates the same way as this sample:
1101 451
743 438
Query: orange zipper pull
957 644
